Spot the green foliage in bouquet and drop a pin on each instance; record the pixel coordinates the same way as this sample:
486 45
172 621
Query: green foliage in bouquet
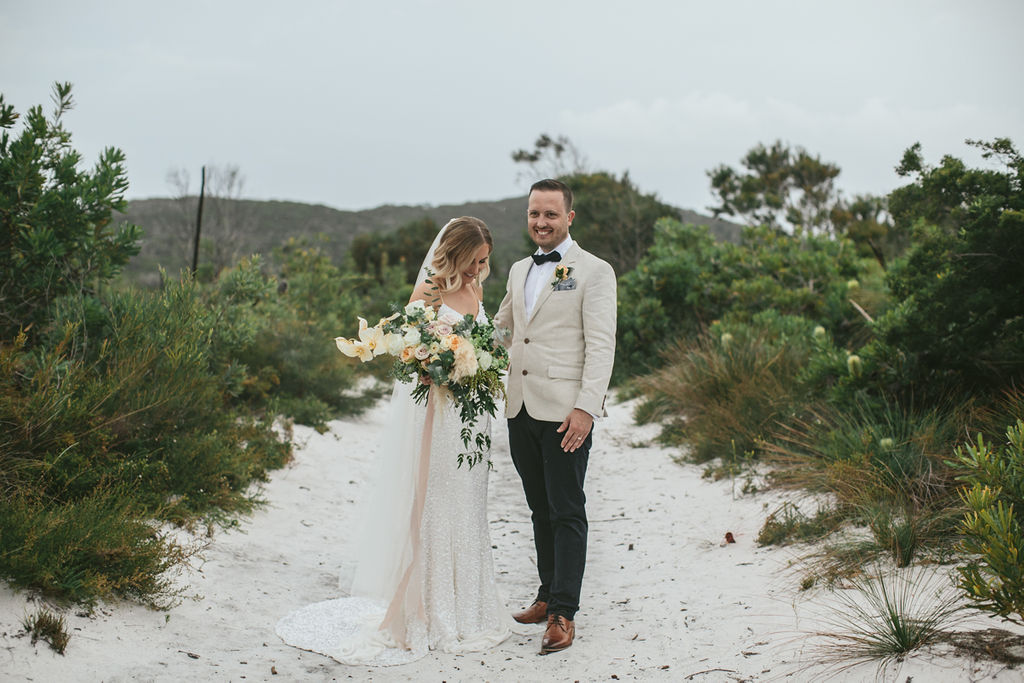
456 356
993 526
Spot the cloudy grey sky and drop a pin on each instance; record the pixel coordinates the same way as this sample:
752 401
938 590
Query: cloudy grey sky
357 104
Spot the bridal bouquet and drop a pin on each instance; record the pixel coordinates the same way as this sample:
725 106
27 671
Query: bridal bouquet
456 354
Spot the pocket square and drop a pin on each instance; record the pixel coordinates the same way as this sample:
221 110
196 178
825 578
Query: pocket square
566 285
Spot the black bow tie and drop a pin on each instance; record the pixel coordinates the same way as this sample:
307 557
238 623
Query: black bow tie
544 258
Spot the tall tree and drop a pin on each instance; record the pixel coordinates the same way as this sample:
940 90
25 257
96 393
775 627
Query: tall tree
551 157
961 316
780 187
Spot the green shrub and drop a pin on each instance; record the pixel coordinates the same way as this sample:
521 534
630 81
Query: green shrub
959 323
993 527
96 547
56 235
687 281
873 452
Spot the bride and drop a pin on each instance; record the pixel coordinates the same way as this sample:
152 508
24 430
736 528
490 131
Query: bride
424 578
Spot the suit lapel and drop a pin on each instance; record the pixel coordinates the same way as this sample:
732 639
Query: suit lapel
545 293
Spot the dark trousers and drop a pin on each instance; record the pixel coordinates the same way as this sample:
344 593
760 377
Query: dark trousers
553 482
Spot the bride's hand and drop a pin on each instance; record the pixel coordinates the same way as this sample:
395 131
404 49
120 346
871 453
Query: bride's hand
425 379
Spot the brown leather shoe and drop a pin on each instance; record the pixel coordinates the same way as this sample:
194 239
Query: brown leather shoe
537 613
559 635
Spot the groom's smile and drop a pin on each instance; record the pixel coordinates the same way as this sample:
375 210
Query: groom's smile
548 219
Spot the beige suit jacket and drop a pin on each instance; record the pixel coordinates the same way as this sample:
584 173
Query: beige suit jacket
561 357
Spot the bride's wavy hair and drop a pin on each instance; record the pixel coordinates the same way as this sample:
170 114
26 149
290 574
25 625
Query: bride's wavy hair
457 250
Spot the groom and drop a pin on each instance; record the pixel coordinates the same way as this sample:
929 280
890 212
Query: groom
560 308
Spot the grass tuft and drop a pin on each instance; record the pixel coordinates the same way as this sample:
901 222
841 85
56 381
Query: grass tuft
47 626
787 524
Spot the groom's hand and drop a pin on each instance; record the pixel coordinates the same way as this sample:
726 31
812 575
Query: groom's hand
576 428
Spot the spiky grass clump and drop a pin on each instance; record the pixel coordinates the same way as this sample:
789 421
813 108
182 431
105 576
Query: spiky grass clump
47 626
882 618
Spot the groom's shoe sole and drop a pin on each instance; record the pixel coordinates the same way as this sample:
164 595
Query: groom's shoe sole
537 613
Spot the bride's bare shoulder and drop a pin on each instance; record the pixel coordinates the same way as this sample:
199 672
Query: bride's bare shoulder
427 293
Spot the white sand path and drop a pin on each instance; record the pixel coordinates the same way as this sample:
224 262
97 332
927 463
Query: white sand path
663 599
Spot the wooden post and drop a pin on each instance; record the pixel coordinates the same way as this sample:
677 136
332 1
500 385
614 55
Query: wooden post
199 222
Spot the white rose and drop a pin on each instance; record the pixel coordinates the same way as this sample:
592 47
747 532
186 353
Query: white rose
484 359
412 337
449 318
413 306
422 352
442 329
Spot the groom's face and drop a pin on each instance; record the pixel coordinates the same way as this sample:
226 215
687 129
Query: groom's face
547 220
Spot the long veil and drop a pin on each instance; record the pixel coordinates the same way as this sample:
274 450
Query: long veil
385 548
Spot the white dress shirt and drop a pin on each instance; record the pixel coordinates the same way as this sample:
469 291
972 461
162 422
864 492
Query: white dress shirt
541 275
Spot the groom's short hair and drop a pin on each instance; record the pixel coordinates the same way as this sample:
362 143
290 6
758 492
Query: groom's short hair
552 185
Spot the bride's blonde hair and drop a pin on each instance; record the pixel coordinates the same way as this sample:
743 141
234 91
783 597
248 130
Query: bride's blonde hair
457 250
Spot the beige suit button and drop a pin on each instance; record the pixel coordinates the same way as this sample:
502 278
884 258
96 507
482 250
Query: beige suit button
524 372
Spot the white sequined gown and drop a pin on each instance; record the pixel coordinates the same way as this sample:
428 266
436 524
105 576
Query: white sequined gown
453 578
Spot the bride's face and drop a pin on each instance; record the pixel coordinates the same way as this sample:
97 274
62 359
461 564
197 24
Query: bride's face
478 263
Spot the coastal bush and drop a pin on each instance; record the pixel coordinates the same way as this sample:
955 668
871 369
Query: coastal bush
135 393
56 231
875 451
96 547
993 526
687 281
958 324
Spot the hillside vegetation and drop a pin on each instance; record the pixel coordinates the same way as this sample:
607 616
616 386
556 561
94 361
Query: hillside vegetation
261 226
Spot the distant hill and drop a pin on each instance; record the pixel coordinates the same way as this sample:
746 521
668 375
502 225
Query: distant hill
251 226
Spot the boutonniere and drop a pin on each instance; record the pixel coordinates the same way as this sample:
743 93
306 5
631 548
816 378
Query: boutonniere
563 274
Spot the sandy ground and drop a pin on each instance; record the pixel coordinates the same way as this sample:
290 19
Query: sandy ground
663 599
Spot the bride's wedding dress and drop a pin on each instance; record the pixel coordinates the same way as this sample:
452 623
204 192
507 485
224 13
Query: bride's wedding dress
425 576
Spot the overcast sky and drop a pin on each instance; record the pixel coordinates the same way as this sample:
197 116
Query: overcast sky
357 104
